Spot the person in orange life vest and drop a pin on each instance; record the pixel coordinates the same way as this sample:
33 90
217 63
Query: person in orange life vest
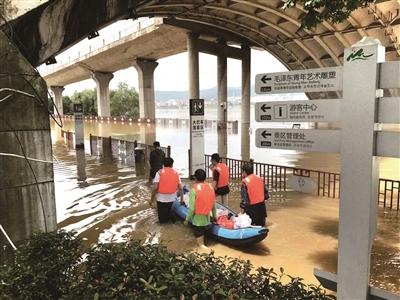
220 179
253 196
201 204
166 184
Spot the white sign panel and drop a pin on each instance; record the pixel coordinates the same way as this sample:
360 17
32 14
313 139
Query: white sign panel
298 111
389 75
389 110
297 139
388 144
196 134
302 81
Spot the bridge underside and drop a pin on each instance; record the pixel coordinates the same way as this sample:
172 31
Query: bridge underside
40 34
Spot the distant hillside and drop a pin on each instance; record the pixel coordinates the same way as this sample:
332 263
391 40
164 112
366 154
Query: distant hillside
207 94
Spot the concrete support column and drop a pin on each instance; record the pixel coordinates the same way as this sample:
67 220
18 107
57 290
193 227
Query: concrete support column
222 88
58 103
27 200
193 61
246 88
145 69
103 92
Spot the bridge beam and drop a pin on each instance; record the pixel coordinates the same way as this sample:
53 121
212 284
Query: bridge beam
58 101
145 69
103 92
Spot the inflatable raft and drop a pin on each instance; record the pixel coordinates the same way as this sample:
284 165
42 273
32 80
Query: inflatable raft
235 237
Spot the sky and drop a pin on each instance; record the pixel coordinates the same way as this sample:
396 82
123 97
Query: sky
172 72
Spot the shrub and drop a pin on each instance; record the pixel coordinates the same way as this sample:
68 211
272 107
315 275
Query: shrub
45 268
49 267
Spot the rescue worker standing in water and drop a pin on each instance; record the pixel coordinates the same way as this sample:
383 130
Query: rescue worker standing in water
166 184
220 179
253 196
201 204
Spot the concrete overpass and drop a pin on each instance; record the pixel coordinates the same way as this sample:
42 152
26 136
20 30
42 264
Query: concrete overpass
139 45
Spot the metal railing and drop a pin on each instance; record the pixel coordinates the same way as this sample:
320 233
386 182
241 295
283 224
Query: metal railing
327 183
232 125
116 148
389 193
121 148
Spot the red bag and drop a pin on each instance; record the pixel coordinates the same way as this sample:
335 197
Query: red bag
224 222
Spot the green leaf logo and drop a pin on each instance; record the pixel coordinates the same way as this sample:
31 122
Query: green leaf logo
359 54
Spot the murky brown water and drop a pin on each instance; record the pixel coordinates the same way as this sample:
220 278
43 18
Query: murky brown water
111 206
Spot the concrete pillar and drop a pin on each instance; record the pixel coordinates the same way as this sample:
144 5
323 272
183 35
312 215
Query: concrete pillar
27 201
193 61
58 102
103 92
246 93
222 88
145 69
196 149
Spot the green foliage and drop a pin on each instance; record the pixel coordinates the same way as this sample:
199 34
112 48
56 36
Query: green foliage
49 267
334 11
124 101
45 268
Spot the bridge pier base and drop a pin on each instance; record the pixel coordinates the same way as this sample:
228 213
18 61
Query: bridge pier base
103 92
145 69
58 101
27 201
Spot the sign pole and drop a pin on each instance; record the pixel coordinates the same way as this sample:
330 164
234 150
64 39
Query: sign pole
359 168
79 130
196 159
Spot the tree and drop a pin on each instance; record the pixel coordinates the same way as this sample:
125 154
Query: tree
124 101
334 11
88 100
67 105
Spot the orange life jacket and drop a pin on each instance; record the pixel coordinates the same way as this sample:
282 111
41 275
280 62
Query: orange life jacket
205 198
255 188
223 171
169 181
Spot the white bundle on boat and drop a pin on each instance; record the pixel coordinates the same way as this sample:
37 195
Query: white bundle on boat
242 221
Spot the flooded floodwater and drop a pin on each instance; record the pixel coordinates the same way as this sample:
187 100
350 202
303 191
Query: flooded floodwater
111 206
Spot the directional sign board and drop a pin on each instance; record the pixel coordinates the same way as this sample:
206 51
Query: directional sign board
301 140
298 111
196 134
302 81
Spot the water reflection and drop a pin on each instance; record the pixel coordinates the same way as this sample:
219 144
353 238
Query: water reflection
81 166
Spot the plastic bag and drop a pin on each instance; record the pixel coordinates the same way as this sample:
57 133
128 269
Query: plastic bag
242 221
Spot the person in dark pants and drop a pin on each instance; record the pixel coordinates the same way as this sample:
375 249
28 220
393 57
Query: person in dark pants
253 195
220 179
166 184
156 160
